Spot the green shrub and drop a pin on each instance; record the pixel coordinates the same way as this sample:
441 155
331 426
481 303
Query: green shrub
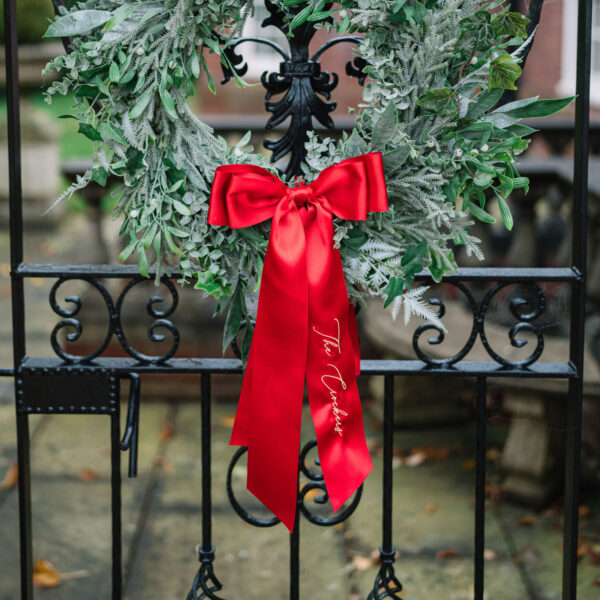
32 20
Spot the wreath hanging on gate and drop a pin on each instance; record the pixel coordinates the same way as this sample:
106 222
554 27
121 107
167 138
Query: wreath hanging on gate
437 71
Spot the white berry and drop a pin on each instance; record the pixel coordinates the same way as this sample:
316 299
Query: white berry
172 64
133 214
474 60
458 152
343 14
237 152
485 148
430 143
139 51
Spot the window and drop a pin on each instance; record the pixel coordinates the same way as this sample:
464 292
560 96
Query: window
596 39
566 85
260 57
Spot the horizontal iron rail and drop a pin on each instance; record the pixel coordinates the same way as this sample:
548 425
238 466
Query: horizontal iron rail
517 275
125 366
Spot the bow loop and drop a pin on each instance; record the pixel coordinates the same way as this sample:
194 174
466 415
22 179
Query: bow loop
305 328
243 195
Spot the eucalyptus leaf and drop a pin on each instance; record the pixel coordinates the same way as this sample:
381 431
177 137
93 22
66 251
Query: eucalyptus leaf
385 127
483 102
77 23
481 214
142 103
120 15
505 212
234 316
394 159
532 108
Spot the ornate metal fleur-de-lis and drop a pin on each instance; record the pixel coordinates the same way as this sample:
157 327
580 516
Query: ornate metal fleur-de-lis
302 83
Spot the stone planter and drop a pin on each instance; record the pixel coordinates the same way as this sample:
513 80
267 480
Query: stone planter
32 60
40 168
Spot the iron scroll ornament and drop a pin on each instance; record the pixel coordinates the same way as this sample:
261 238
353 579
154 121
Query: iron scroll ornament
115 327
525 309
300 80
316 482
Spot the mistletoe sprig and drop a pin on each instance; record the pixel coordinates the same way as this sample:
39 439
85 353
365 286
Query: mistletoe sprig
437 71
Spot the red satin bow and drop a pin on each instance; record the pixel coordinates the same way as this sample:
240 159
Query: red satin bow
305 327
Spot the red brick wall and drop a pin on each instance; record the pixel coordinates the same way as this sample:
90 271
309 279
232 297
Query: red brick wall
543 68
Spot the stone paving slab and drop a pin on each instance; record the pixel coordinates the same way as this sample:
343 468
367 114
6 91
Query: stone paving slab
162 520
251 563
433 514
538 549
71 503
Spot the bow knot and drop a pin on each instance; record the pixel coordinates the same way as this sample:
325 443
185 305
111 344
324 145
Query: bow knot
301 195
305 327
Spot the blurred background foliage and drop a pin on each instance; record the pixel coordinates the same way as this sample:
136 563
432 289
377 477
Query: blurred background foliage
32 20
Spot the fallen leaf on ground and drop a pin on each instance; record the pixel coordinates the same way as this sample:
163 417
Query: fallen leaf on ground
494 491
526 521
493 454
594 554
88 474
430 508
168 468
11 477
489 554
468 465
597 581
45 574
552 511
584 511
362 563
447 554
167 430
582 549
227 421
433 452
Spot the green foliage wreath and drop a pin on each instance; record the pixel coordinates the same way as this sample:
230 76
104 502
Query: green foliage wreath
437 70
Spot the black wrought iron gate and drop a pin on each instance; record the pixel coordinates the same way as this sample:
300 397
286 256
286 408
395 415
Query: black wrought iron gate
90 384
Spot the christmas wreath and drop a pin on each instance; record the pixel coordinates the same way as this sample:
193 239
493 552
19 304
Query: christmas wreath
437 72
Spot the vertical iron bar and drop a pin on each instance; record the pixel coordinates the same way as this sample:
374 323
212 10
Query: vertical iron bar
386 583
115 484
25 529
206 472
14 164
295 558
17 291
480 487
574 406
388 456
